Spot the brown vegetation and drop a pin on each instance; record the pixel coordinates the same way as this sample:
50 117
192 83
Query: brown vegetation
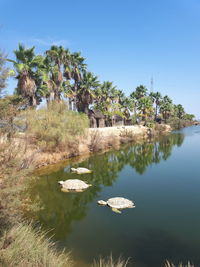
110 262
24 247
168 264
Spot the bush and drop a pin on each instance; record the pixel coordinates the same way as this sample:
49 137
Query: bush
177 124
55 128
10 107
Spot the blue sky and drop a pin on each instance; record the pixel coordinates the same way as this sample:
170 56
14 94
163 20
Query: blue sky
126 42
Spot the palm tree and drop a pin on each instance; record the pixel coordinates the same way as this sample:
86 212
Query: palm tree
78 66
85 91
120 96
105 96
67 72
109 100
46 85
145 106
179 111
127 106
156 98
166 107
135 104
26 64
139 92
74 67
189 117
57 57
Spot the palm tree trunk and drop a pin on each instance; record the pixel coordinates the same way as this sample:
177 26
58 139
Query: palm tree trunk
57 95
75 104
156 112
52 96
33 101
86 109
70 103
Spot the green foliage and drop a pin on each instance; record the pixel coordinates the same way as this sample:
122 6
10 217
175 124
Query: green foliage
10 107
85 91
140 91
145 106
60 73
105 96
166 107
56 127
179 111
156 99
189 117
26 66
112 101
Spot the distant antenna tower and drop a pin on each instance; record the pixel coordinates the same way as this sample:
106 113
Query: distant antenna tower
152 84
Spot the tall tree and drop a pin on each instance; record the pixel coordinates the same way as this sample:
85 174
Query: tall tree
128 106
45 82
179 111
145 106
76 69
156 98
105 96
85 91
135 104
25 65
139 92
166 107
189 117
57 57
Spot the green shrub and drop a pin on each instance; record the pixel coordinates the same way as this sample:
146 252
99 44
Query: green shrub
10 107
55 128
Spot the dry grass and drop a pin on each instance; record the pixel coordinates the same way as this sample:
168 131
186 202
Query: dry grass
24 247
110 262
96 141
56 128
168 264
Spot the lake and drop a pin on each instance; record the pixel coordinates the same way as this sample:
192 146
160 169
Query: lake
162 178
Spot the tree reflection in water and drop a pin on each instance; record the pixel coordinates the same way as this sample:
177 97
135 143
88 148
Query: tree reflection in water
59 210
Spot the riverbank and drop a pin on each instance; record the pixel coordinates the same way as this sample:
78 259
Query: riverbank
94 140
100 139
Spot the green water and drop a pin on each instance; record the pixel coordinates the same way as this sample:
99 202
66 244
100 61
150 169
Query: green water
163 180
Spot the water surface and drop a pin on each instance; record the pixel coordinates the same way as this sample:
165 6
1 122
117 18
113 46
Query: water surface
163 180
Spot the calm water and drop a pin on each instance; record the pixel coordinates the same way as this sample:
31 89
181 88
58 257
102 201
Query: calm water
162 178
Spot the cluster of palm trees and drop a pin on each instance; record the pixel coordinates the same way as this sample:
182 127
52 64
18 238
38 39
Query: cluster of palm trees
61 74
155 107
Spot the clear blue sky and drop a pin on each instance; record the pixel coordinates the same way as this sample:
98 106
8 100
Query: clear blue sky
126 41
